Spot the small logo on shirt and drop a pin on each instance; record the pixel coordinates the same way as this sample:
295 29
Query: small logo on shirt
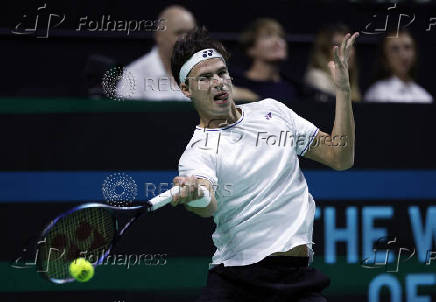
268 116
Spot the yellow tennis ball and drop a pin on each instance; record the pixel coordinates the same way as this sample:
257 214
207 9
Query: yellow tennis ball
81 270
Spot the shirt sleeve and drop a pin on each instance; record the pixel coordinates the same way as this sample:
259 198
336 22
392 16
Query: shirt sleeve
199 163
304 131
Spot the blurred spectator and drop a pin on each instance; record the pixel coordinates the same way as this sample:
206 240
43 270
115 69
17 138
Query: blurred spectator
397 71
318 77
152 72
263 41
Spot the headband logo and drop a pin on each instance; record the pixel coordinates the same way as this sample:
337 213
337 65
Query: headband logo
207 53
196 58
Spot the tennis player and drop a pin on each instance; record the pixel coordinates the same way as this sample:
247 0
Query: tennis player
247 155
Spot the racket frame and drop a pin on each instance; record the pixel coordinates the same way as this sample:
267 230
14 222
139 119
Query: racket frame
117 235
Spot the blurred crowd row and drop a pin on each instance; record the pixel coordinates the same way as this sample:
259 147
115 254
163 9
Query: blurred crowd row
264 43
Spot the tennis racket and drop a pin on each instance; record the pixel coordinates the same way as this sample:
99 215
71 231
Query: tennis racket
94 228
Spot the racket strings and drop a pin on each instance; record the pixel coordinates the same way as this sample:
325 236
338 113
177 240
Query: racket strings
85 233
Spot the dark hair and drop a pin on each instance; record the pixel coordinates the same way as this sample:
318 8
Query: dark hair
382 69
193 42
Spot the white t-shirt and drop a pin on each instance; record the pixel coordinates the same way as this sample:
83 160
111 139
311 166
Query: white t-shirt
151 82
395 90
264 205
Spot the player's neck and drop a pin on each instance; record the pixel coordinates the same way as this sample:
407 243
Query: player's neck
232 117
263 71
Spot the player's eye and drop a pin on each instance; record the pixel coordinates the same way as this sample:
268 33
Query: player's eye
204 78
224 74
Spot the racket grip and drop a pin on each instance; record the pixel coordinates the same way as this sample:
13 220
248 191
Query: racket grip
166 197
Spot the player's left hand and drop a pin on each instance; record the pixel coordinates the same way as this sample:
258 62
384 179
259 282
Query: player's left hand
339 66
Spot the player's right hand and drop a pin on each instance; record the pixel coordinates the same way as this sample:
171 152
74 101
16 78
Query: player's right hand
189 190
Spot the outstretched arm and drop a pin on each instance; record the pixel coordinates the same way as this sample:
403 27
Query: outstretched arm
336 150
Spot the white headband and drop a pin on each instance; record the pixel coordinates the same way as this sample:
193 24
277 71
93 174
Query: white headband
196 58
